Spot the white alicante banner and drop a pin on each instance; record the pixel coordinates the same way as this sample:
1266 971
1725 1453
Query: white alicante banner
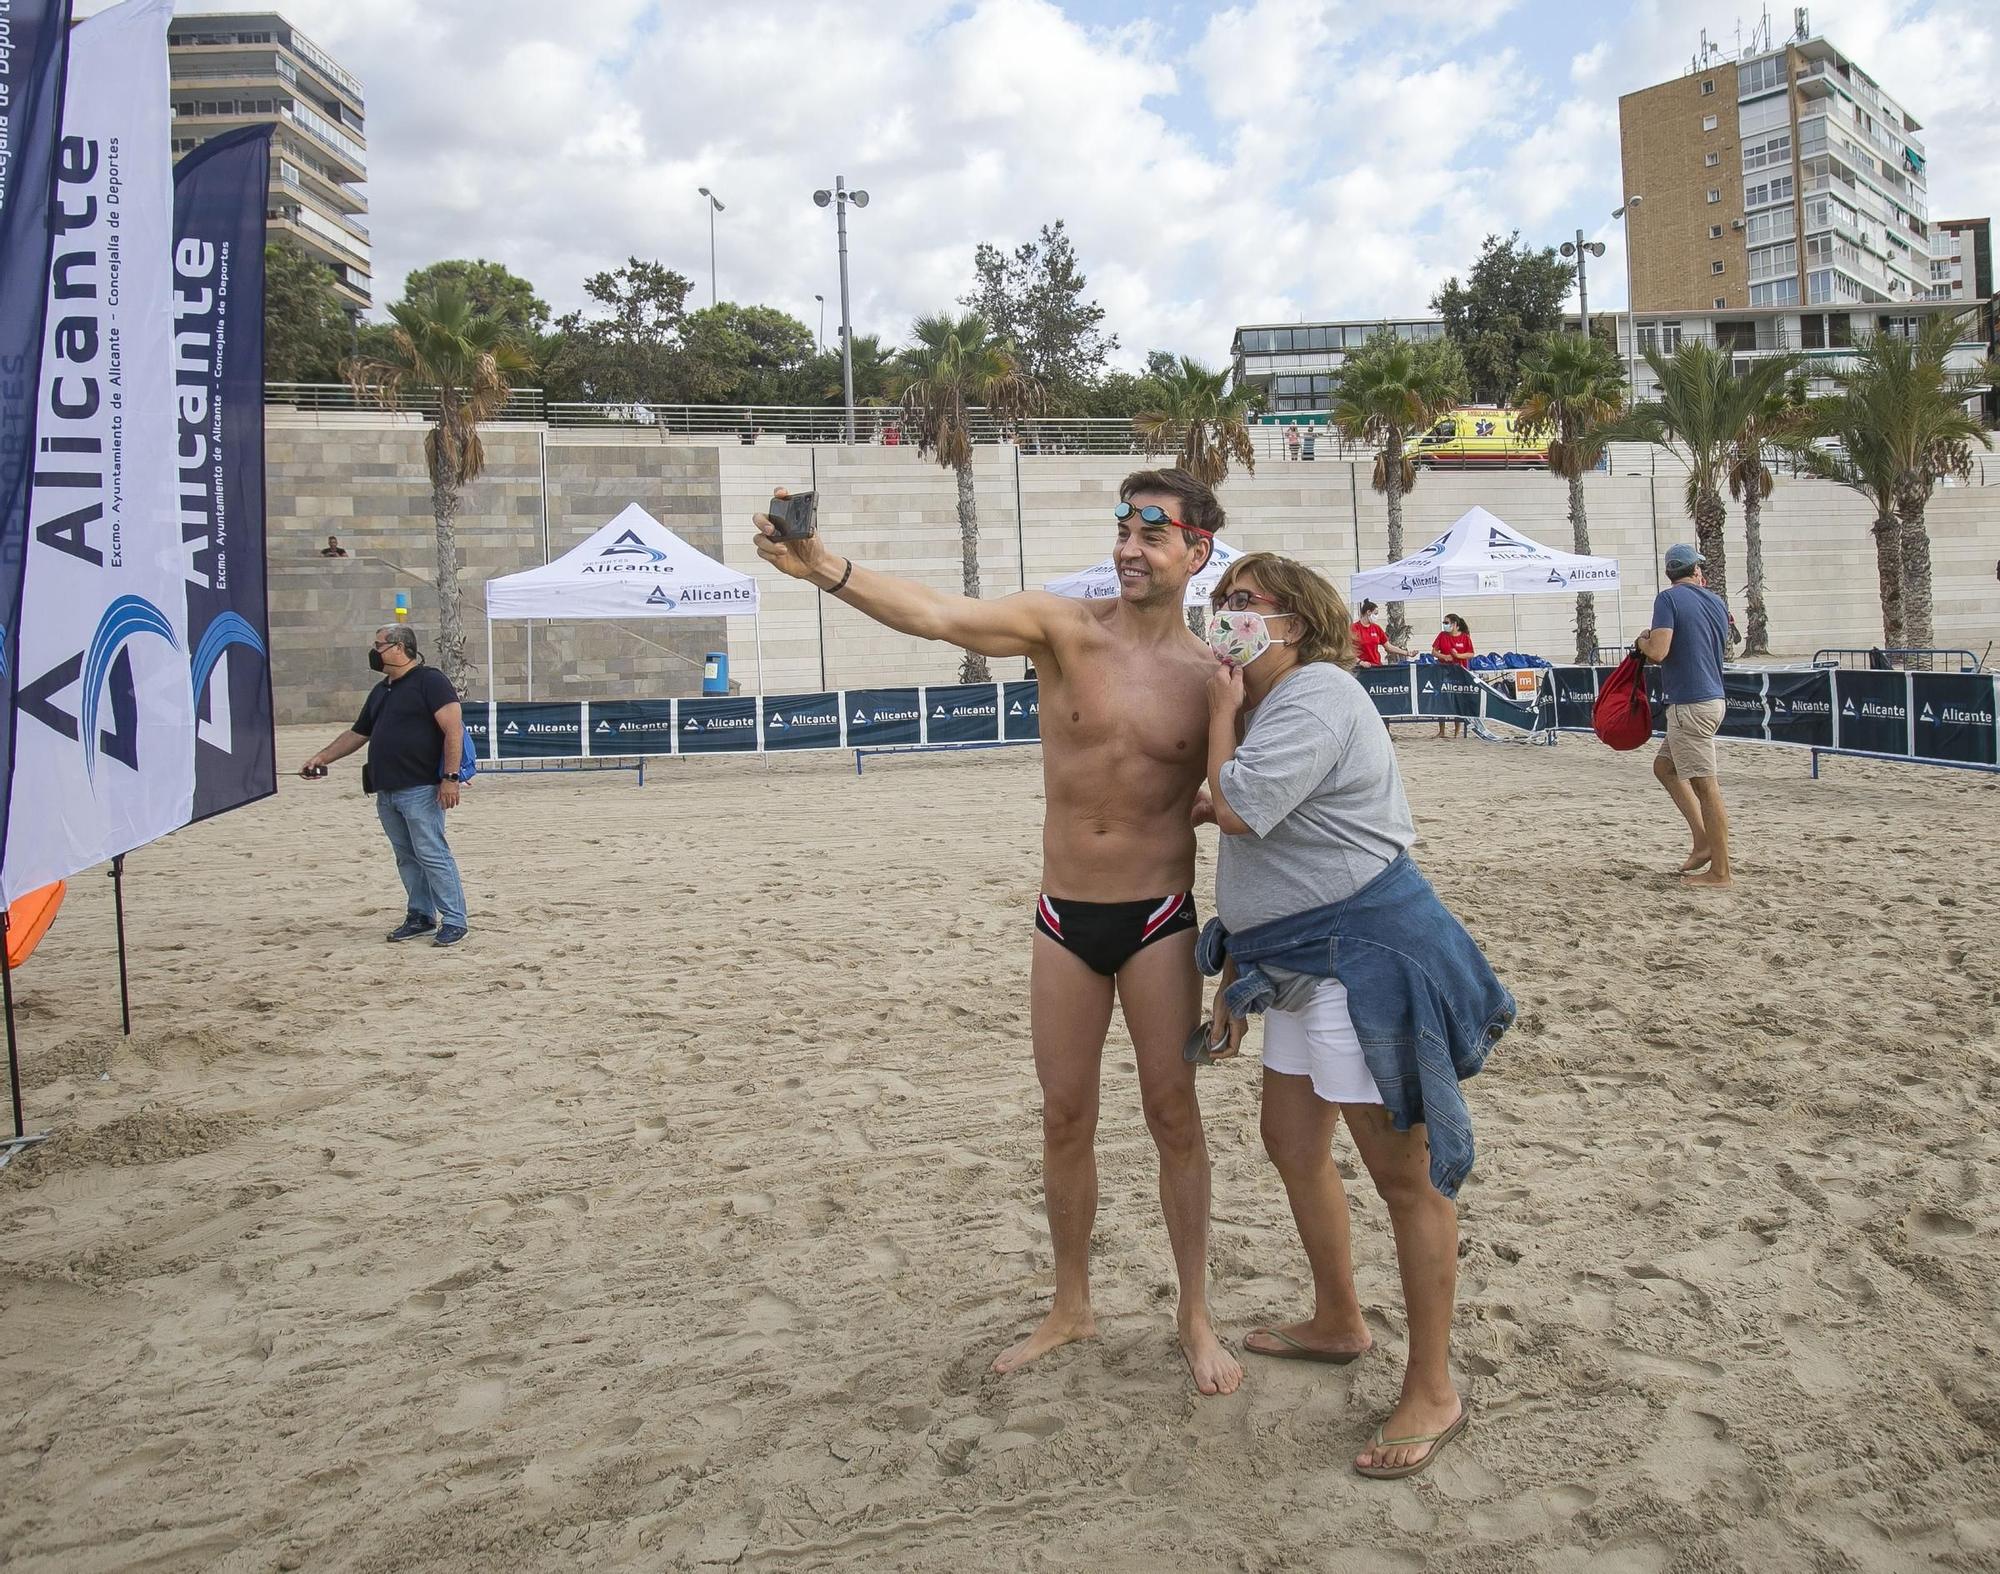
104 731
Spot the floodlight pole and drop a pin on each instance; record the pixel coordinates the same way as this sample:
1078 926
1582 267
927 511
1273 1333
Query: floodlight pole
714 207
838 198
1624 212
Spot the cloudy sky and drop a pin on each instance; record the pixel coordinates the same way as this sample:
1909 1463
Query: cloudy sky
1264 161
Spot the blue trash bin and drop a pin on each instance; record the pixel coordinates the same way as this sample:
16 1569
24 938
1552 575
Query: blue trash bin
715 672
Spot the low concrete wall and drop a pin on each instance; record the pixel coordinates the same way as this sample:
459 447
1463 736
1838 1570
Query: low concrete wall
1040 516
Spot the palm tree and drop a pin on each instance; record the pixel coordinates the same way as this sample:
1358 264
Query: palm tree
1900 391
1701 407
1571 387
955 365
437 347
1384 393
1201 420
1862 463
1773 426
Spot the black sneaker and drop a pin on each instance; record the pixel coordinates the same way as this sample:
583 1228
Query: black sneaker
450 934
411 927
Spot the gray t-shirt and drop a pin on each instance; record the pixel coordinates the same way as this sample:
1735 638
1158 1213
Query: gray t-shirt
1315 779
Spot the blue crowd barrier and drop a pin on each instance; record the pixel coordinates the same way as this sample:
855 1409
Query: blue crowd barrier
1923 717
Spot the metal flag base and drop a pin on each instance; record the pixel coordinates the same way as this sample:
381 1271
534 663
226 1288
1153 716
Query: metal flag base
10 1146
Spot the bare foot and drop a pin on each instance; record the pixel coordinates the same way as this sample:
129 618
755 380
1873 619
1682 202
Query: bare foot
1708 878
1214 1368
1410 1418
1696 860
1056 1330
1312 1335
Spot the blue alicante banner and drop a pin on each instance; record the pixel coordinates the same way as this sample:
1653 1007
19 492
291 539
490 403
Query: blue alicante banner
219 201
533 730
1021 710
963 713
632 727
1873 710
31 90
802 721
1801 708
878 717
718 726
1954 719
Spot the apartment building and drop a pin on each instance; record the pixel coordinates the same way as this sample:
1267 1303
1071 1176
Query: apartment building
244 68
1962 260
1789 177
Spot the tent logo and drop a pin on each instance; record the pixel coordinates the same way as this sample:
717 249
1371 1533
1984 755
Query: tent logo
629 545
659 597
1558 578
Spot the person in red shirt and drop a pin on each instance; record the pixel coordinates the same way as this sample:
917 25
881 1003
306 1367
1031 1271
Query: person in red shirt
1453 647
1371 640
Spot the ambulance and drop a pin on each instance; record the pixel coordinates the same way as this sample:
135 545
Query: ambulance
1479 437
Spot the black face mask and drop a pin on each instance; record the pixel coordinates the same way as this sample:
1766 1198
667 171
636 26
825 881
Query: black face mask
374 659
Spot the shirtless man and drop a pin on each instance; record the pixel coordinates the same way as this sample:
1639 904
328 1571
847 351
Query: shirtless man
1124 742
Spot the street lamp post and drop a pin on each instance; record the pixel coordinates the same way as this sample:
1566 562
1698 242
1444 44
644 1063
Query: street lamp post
820 342
714 207
1583 250
1624 211
839 198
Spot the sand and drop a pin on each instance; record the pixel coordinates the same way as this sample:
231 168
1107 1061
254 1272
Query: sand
673 1220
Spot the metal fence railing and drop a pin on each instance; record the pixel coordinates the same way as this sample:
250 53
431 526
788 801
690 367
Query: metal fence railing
523 404
1893 658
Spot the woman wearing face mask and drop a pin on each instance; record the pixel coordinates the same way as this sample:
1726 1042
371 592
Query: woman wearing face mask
1453 647
1324 925
1371 640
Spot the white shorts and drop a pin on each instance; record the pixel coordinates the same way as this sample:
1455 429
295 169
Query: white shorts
1318 1041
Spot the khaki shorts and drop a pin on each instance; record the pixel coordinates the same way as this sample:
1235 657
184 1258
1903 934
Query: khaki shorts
1690 740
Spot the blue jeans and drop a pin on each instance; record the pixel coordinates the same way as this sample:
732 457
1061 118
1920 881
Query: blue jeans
415 824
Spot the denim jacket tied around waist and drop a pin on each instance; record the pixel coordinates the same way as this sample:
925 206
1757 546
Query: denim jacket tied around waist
1425 1003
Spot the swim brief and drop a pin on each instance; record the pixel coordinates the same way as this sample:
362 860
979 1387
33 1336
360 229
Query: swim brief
1107 935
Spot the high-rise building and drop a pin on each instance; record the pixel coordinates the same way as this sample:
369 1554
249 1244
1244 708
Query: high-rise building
1788 177
251 67
1962 260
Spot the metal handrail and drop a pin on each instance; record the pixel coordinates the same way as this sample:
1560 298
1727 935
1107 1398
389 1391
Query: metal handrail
523 404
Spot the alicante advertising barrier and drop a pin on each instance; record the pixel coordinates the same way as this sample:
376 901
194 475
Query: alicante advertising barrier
1929 717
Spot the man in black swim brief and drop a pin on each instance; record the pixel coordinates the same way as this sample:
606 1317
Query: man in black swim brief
1107 935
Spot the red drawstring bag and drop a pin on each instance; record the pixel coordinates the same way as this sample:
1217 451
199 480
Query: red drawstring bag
1623 715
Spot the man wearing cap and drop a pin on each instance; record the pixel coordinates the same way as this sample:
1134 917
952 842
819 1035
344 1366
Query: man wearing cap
1124 710
1689 635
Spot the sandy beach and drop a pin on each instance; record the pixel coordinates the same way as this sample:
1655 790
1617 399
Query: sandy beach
673 1220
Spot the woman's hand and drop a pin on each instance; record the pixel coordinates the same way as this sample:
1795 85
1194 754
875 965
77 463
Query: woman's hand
1225 692
1232 1040
1204 809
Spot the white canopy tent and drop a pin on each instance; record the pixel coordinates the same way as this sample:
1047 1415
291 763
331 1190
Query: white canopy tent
634 567
1483 556
1099 582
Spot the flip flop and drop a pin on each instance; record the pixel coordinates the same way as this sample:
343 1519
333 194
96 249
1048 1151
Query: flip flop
1437 1440
1294 1351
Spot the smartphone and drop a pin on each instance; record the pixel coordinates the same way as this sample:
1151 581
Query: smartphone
796 517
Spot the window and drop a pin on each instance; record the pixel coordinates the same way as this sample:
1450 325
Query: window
1772 224
1715 232
1709 122
1715 266
1764 115
1707 88
1775 150
1760 76
1773 262
1766 192
1712 159
1779 292
1720 302
1662 336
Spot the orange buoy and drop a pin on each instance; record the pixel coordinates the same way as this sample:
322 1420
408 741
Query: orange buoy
29 919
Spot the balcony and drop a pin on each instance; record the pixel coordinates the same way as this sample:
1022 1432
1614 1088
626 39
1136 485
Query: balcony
317 125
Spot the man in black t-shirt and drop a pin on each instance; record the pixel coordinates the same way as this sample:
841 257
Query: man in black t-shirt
414 730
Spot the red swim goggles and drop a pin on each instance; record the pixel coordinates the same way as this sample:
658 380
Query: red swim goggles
1154 515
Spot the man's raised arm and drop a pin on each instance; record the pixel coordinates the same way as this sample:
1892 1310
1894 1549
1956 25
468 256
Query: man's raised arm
1023 624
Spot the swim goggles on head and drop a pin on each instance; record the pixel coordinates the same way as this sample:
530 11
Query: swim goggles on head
1153 515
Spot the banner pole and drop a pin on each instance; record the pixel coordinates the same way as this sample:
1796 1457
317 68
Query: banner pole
13 1049
118 900
492 691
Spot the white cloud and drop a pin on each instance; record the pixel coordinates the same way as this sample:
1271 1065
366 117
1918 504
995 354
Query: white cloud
1276 158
